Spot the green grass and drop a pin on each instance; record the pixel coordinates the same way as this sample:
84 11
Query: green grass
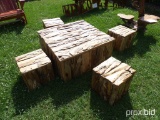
75 99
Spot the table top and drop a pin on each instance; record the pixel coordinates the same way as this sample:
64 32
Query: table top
74 38
126 17
150 19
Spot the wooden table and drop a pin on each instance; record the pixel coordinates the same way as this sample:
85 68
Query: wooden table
75 48
86 5
82 6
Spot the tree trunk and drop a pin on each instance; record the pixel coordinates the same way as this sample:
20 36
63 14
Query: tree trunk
141 10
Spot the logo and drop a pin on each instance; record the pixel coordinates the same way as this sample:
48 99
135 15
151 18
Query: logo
140 112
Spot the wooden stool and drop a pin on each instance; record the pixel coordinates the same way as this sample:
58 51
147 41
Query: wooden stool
52 22
147 19
36 68
123 37
111 79
127 19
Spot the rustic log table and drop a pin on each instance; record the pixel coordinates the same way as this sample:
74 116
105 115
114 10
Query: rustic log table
75 48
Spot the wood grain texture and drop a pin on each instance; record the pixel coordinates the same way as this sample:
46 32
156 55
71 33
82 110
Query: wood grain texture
126 17
12 9
35 67
111 79
143 21
78 44
123 37
54 22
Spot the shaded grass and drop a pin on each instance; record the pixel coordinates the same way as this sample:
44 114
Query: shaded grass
75 99
55 89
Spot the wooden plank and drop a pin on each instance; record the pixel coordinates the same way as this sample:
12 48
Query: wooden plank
86 62
67 71
115 67
30 81
104 64
95 81
113 94
34 60
10 9
29 55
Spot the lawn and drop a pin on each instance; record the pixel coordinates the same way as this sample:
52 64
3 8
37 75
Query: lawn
75 100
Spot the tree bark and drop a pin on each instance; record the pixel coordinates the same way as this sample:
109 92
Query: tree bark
141 10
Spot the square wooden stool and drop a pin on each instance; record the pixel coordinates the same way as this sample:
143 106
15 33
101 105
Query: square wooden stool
123 37
52 22
36 68
111 79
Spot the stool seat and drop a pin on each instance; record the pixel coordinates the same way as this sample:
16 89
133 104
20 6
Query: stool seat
126 17
54 22
149 19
